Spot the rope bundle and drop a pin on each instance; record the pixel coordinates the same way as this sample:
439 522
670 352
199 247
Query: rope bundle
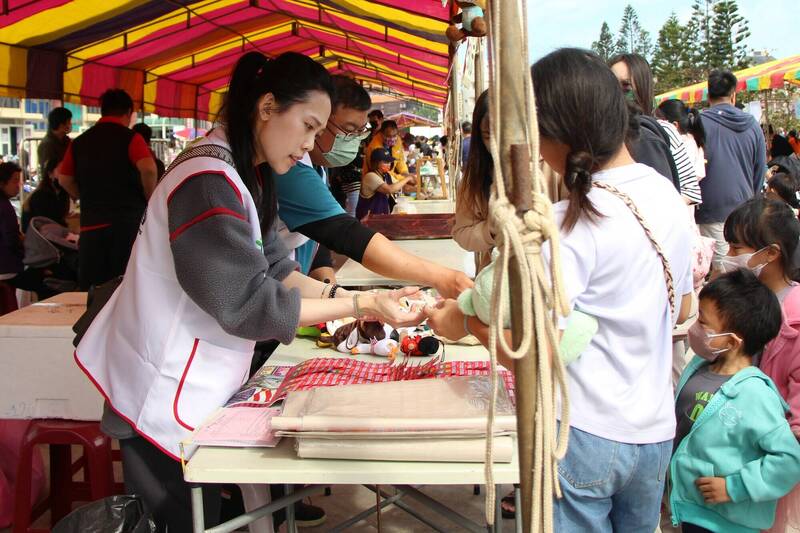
520 240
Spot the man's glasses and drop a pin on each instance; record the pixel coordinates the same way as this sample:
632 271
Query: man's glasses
351 135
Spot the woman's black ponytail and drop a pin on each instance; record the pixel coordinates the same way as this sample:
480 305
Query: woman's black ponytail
290 78
687 118
579 104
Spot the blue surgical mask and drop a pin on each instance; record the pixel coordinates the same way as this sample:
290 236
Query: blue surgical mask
343 151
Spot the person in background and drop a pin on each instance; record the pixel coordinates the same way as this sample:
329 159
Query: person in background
308 211
111 170
377 185
612 478
784 188
471 229
55 142
778 144
47 200
387 138
375 119
687 121
147 134
794 142
736 159
636 80
734 454
466 139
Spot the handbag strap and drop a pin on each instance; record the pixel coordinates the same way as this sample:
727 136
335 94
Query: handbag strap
649 232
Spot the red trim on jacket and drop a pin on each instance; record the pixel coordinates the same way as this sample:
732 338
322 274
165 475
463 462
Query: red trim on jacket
180 387
190 176
202 216
94 227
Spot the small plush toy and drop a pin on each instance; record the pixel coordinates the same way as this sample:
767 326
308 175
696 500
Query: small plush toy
477 301
471 18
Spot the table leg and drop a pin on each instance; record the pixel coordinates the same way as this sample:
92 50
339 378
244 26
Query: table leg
198 520
498 509
291 527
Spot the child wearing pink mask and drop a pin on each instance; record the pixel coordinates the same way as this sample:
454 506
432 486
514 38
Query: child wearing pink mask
764 235
734 454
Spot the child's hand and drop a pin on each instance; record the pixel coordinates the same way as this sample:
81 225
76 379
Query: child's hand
713 489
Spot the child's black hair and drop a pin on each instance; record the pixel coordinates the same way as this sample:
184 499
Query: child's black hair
761 222
746 307
786 187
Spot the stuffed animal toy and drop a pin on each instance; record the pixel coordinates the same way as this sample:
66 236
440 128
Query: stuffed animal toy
471 18
477 301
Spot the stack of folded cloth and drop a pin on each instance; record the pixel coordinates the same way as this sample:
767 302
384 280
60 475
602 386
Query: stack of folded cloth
415 420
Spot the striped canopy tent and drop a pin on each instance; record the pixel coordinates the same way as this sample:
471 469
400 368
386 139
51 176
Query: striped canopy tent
174 57
407 120
771 75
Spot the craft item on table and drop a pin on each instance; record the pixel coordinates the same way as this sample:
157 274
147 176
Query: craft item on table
436 449
419 346
260 389
330 372
313 332
238 428
365 337
477 301
453 404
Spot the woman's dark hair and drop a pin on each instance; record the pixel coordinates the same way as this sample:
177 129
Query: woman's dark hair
579 104
761 222
688 119
386 124
747 308
641 77
6 171
47 183
786 187
144 130
289 78
474 188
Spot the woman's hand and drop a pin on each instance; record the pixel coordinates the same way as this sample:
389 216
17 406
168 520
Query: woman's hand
446 320
386 306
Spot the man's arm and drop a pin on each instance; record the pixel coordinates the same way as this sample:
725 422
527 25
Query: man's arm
760 163
65 174
148 173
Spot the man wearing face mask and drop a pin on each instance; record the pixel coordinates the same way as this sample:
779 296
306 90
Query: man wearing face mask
387 138
311 215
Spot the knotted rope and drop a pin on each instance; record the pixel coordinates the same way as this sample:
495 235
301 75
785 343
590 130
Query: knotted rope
520 240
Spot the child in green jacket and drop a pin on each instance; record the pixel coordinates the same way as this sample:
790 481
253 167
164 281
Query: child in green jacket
734 453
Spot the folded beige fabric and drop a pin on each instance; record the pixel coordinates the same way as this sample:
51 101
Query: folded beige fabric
429 450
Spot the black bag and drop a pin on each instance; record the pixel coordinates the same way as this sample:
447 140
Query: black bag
96 299
115 514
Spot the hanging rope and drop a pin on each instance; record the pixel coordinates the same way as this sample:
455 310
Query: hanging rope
520 240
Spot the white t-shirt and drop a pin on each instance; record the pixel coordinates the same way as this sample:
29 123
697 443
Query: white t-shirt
696 154
621 386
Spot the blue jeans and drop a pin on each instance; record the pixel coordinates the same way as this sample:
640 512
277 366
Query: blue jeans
610 486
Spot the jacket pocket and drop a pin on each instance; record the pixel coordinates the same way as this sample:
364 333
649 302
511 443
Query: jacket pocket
212 374
687 470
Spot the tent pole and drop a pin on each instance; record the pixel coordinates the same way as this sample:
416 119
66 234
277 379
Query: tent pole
515 159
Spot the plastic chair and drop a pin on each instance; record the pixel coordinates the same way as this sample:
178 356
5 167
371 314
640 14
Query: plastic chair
96 463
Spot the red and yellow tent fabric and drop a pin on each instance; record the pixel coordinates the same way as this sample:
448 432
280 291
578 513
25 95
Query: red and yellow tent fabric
771 75
174 56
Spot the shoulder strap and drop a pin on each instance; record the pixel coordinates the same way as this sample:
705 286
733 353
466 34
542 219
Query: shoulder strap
642 222
203 150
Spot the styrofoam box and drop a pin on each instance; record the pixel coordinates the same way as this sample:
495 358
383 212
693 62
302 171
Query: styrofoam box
38 374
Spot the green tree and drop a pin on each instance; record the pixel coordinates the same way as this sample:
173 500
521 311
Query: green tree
697 35
670 58
632 38
604 46
727 47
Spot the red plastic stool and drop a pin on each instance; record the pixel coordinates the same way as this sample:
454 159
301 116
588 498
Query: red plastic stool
96 462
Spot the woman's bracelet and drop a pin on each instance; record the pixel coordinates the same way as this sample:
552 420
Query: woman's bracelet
325 289
334 287
356 310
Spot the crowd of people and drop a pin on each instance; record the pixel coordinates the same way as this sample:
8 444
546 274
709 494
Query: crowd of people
664 209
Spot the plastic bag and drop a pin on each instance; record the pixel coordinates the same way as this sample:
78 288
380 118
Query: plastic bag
115 514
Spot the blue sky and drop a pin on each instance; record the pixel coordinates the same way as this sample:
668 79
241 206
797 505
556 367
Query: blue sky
556 23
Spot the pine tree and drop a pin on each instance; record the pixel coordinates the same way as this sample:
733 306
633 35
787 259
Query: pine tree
604 46
669 61
729 31
697 37
633 39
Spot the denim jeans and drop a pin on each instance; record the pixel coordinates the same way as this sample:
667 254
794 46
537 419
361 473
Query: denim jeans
610 486
351 202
